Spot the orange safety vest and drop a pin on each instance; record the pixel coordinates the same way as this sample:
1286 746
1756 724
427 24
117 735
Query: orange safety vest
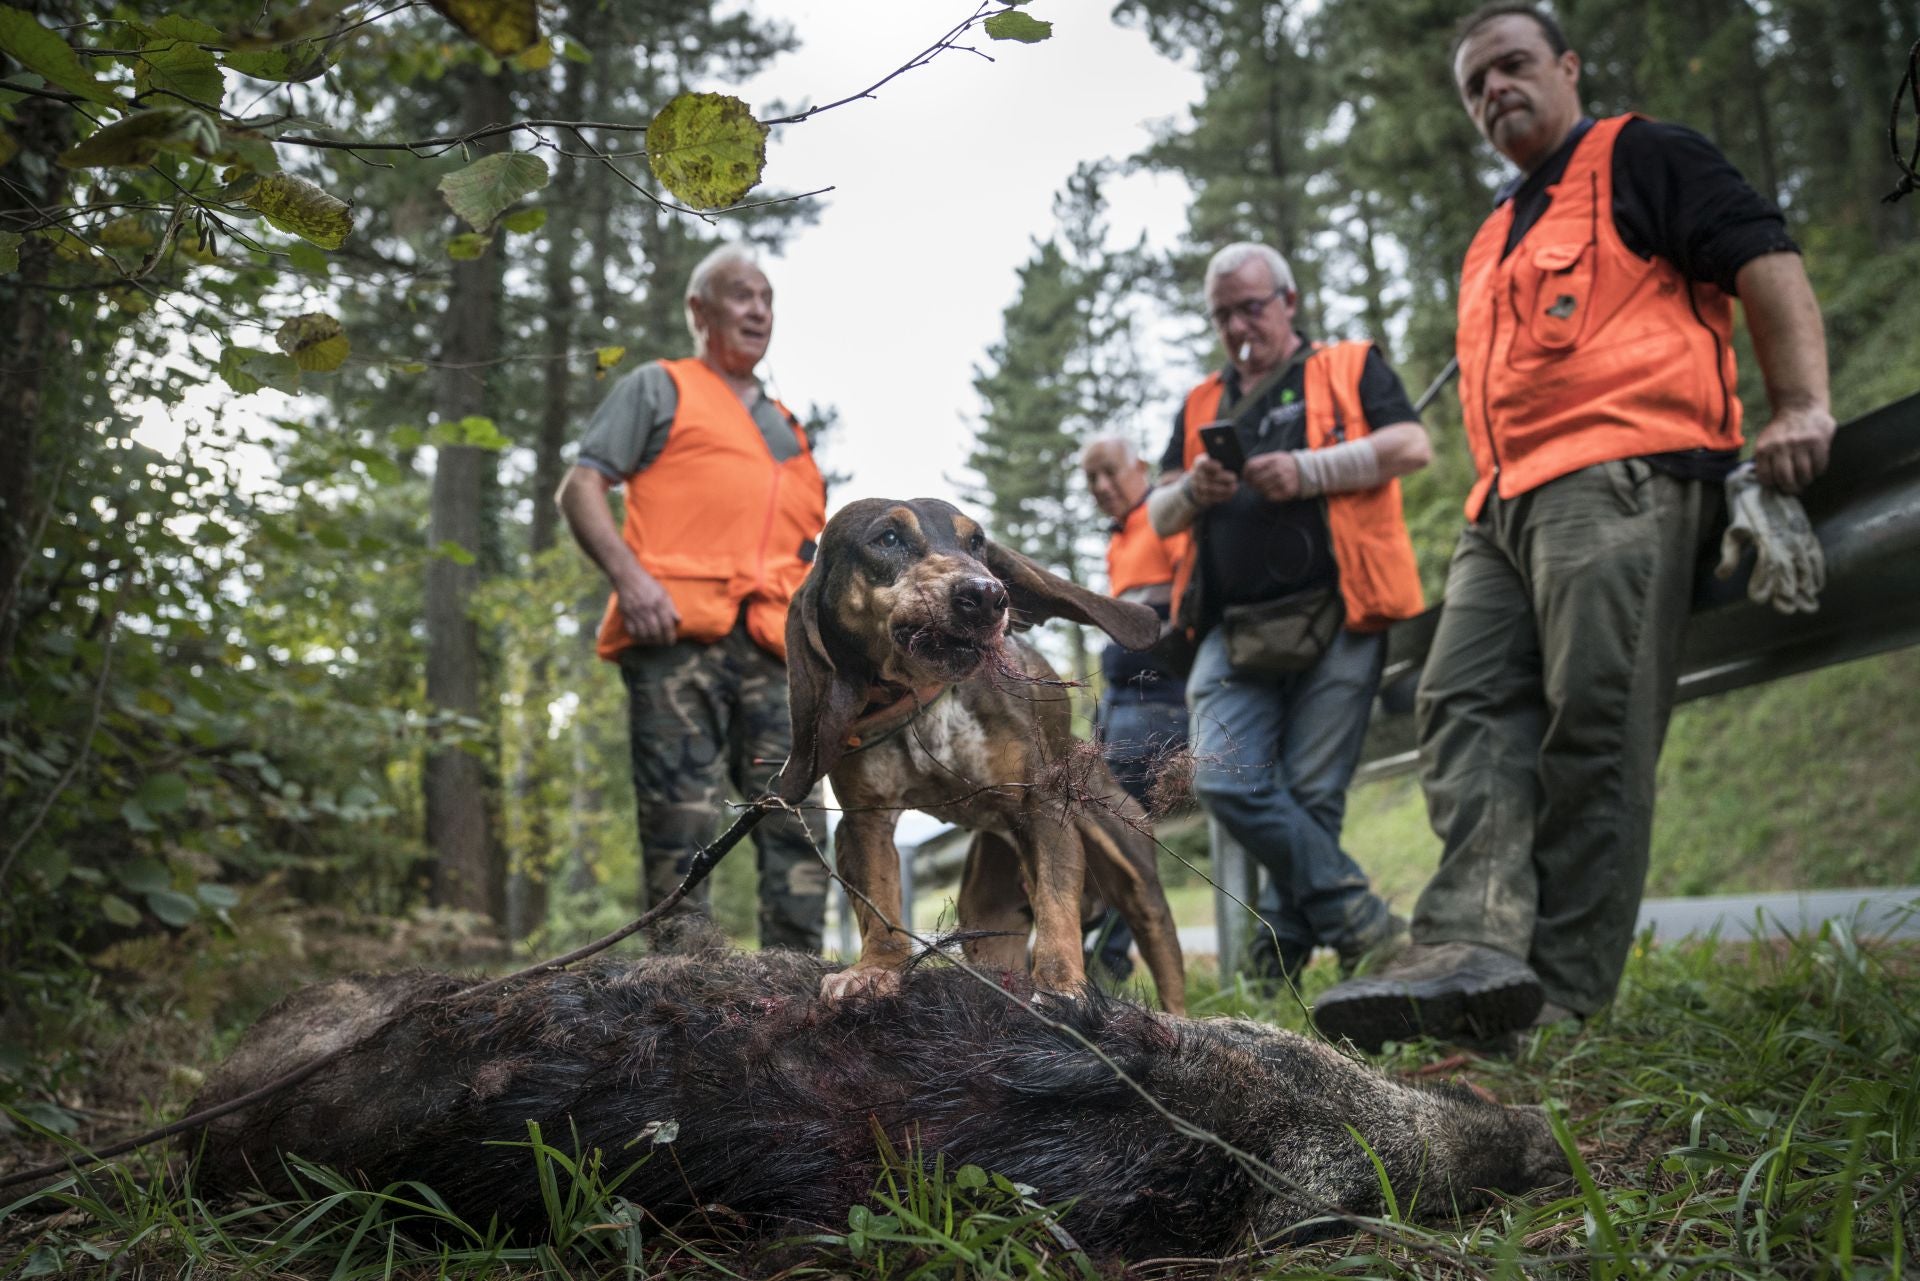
1574 350
1138 557
718 521
1379 577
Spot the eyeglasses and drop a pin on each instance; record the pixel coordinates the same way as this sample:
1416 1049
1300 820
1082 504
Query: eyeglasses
1250 309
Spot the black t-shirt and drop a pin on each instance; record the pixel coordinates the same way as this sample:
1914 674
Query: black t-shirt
1675 196
1254 550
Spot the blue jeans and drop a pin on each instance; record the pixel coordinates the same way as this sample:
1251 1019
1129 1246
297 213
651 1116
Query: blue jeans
1137 737
1272 758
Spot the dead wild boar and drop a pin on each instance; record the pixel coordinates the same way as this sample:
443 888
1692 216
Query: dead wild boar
776 1094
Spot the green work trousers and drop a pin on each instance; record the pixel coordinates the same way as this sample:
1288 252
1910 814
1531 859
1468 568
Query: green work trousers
1541 711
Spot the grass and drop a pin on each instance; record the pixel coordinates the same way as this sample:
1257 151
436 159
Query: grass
1741 1112
1796 784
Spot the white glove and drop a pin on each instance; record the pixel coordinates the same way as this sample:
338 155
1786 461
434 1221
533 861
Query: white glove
1789 569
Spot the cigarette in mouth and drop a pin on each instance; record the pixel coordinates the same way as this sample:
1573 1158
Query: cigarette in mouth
1246 350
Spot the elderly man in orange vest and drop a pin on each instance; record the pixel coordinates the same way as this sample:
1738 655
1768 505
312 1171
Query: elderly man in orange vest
1300 561
1596 373
1142 720
722 506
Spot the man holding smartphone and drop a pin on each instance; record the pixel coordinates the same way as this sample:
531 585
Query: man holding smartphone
1301 560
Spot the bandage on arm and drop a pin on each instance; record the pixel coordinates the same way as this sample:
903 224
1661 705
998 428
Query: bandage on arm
1170 508
1338 469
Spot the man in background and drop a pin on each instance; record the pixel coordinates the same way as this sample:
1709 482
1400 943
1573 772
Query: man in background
1142 720
722 506
1300 531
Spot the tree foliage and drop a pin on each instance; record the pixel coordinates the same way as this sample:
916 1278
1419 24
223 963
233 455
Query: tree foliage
302 304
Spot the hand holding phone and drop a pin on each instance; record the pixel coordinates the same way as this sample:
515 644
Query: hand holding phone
1222 444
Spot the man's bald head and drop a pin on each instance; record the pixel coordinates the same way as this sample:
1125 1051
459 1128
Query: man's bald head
1116 474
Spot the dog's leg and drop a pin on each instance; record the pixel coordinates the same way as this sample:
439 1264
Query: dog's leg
1055 866
991 898
1121 863
869 862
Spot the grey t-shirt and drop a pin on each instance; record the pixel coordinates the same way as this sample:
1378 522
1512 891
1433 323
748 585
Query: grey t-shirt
630 428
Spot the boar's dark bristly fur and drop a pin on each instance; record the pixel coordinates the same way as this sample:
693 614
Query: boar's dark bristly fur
776 1093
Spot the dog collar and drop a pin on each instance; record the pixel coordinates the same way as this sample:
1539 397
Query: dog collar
885 714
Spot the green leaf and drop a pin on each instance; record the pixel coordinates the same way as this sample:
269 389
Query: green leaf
606 358
291 63
473 431
119 911
181 68
173 907
502 27
525 220
316 341
10 250
135 816
1014 25
248 150
133 142
144 876
573 51
247 370
454 552
484 189
40 50
48 862
308 258
467 246
707 149
296 205
535 57
162 793
218 897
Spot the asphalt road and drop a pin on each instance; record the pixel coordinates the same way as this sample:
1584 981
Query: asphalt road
1888 913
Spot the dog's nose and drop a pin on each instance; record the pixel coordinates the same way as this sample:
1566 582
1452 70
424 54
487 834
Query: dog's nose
979 601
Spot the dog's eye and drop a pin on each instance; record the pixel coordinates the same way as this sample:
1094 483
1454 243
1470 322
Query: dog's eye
888 538
975 543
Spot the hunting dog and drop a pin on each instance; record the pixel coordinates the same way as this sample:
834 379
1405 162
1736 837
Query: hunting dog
909 689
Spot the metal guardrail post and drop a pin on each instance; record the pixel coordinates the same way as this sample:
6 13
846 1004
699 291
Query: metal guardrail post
1235 875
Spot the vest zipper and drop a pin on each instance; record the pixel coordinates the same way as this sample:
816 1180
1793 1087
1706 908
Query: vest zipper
766 529
1486 381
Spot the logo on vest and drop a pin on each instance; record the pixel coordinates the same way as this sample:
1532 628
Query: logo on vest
1562 307
1280 417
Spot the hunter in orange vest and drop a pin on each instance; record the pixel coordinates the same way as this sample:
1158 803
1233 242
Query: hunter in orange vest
722 504
1597 380
1300 561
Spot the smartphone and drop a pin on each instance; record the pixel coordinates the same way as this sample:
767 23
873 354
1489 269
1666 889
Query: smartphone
1222 444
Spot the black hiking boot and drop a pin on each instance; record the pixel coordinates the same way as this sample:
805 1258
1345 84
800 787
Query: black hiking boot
1448 991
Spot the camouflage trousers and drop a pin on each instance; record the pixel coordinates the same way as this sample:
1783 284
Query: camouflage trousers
701 718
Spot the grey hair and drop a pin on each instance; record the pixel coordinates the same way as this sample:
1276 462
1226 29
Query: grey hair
1236 256
1129 453
703 272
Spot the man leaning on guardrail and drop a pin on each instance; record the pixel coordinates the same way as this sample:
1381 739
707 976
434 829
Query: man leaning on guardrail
1597 380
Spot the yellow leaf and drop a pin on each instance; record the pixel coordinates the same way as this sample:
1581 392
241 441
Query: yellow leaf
503 27
316 341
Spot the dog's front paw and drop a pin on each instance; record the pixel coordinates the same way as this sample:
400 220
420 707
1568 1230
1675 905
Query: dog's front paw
860 980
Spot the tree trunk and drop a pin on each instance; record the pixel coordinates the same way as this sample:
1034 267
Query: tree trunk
42 131
532 865
466 871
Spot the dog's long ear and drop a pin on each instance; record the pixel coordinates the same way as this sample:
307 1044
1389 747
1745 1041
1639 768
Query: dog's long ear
822 700
1036 595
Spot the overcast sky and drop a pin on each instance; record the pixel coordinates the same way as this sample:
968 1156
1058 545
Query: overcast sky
941 183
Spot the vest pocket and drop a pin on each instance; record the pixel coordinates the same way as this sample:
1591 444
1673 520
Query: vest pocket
1554 294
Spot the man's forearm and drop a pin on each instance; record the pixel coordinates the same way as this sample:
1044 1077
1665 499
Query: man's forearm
1170 507
1789 338
583 504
